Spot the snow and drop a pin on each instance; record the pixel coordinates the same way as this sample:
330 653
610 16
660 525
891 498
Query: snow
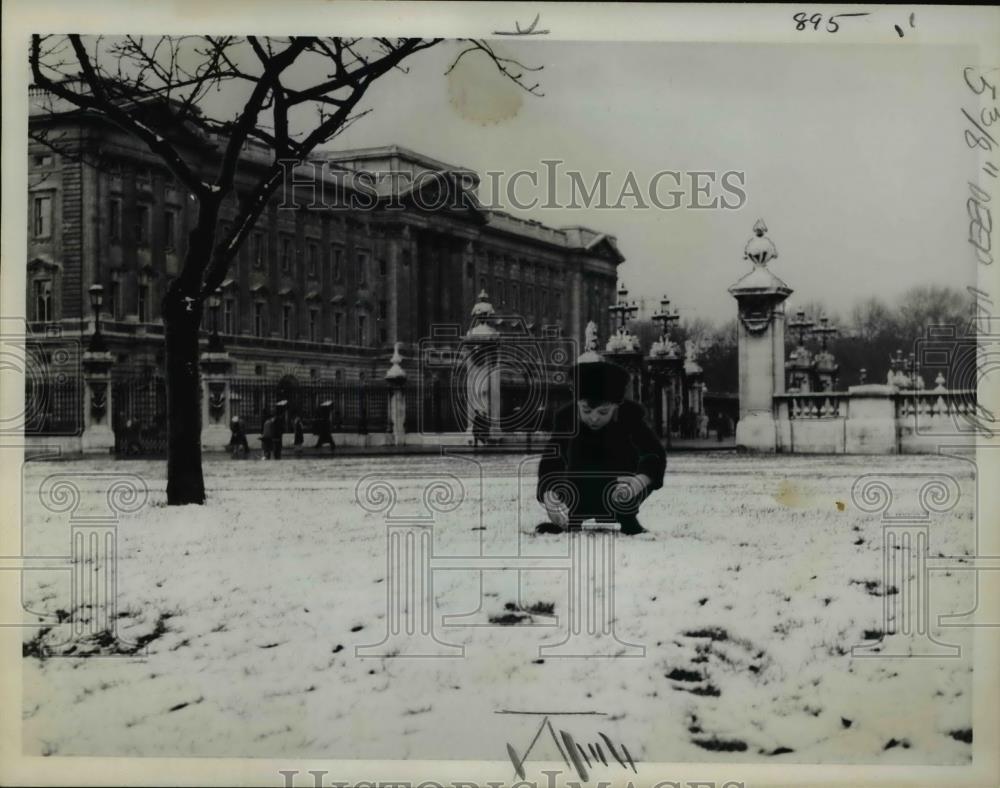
752 582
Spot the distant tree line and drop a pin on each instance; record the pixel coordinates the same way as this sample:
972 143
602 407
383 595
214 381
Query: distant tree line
873 330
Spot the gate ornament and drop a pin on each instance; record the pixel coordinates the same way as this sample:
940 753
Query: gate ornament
760 249
98 400
216 400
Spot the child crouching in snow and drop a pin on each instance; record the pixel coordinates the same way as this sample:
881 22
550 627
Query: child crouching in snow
602 460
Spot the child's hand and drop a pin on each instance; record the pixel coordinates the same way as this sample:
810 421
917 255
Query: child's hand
557 511
630 487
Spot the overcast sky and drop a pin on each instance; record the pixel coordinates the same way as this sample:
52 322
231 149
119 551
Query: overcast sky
854 155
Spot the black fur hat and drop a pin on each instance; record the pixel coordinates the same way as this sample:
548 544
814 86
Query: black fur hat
601 381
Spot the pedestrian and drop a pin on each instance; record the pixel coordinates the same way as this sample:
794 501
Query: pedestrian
133 441
238 445
267 435
279 427
603 459
703 425
322 427
480 429
299 435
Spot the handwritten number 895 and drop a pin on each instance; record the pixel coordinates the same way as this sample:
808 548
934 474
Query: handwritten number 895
831 23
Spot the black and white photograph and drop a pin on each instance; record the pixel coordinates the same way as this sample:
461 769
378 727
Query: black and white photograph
500 394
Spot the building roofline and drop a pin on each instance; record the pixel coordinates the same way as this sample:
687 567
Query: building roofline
384 151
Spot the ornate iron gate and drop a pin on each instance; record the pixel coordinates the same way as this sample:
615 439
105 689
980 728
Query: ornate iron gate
139 420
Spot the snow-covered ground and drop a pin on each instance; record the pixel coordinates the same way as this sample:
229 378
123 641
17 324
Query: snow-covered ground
757 578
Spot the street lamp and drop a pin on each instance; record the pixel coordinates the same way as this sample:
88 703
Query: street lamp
214 340
96 345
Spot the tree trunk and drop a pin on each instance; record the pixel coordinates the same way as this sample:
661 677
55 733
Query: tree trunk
181 320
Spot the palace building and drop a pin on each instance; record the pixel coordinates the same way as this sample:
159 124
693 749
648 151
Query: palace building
322 288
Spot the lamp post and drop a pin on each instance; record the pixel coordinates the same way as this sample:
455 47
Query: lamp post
826 365
214 340
96 344
800 362
664 362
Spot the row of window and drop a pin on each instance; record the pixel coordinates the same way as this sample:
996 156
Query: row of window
338 324
43 312
509 295
42 228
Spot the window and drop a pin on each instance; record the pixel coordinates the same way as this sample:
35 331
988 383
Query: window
383 309
338 323
259 324
142 303
482 283
313 324
529 299
383 336
498 292
229 315
362 330
336 260
470 270
170 228
362 263
142 224
258 249
383 269
42 216
313 259
114 300
515 296
115 219
43 300
286 254
286 321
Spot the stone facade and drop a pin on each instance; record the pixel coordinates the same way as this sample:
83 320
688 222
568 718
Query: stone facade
318 290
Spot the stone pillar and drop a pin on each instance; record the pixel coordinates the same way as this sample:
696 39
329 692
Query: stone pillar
495 402
215 410
871 420
760 296
98 436
396 378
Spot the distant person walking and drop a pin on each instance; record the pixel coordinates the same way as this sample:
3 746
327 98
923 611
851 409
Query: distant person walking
299 436
322 427
279 427
238 445
267 435
720 427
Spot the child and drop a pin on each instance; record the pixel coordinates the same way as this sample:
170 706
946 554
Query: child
602 460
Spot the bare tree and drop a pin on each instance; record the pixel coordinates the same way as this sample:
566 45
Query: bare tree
290 94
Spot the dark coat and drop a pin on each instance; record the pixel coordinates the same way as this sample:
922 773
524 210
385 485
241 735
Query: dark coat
625 445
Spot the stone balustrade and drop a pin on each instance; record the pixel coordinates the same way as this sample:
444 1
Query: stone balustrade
876 419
